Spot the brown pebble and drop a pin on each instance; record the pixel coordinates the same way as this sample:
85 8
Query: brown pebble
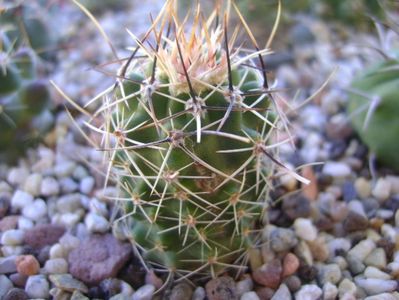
27 265
311 190
8 223
355 222
221 288
307 273
319 249
269 274
151 278
376 223
264 293
290 264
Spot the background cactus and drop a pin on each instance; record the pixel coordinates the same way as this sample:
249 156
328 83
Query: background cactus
24 99
187 133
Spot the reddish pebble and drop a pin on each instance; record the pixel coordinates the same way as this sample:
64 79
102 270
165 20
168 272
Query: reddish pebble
290 264
269 274
27 265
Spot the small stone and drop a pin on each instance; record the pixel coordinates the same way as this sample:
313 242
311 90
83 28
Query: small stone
249 296
383 296
8 223
4 205
336 169
264 292
19 280
362 249
355 221
12 237
49 187
86 185
290 264
64 169
56 266
144 293
17 176
310 190
302 251
5 285
355 265
330 291
15 294
374 286
288 181
181 291
283 293
96 223
329 273
382 189
12 250
57 251
68 185
269 274
20 199
305 229
293 283
346 287
309 292
319 249
373 272
79 173
32 184
377 258
99 257
69 242
7 265
67 283
43 235
37 286
98 207
153 279
27 265
221 288
199 293
35 211
76 295
244 285
363 187
25 223
282 239
297 206
307 273
348 191
69 203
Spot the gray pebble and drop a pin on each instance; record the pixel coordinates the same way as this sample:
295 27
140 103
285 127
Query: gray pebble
144 293
346 286
249 296
49 187
377 258
37 286
69 203
181 291
199 293
283 293
15 294
7 265
86 185
32 184
244 285
56 266
96 223
20 199
330 291
17 176
282 239
374 286
12 237
68 185
329 273
64 169
383 296
5 285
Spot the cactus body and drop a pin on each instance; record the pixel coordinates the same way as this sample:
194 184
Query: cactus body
187 133
380 83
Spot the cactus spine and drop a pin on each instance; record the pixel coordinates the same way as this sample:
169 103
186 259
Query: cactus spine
187 133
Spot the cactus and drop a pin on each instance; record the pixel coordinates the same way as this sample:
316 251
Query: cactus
24 101
375 111
187 133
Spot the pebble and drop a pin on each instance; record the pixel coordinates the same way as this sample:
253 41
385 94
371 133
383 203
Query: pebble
297 206
37 286
249 296
290 264
329 273
97 258
67 283
32 184
330 291
24 223
69 242
221 288
144 293
64 169
7 265
373 272
12 237
383 296
336 169
355 265
49 187
86 185
374 286
309 292
282 293
43 235
96 223
68 185
199 293
319 249
153 279
282 239
36 210
305 229
27 265
244 285
181 291
18 280
269 274
362 249
355 222
382 189
302 251
17 176
15 294
69 203
5 285
8 222
56 266
363 187
377 258
57 251
20 199
98 207
293 283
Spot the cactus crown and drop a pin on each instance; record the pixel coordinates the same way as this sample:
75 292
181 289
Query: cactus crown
187 131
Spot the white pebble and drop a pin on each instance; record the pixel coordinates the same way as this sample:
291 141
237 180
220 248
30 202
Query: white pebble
5 285
250 296
32 184
12 237
64 169
305 229
199 293
383 296
96 223
56 266
363 187
282 293
144 293
35 211
373 272
98 207
309 292
17 176
57 251
68 185
389 232
382 189
346 287
24 223
374 286
37 286
69 220
86 185
362 249
330 291
20 199
69 242
336 169
12 250
79 173
49 187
